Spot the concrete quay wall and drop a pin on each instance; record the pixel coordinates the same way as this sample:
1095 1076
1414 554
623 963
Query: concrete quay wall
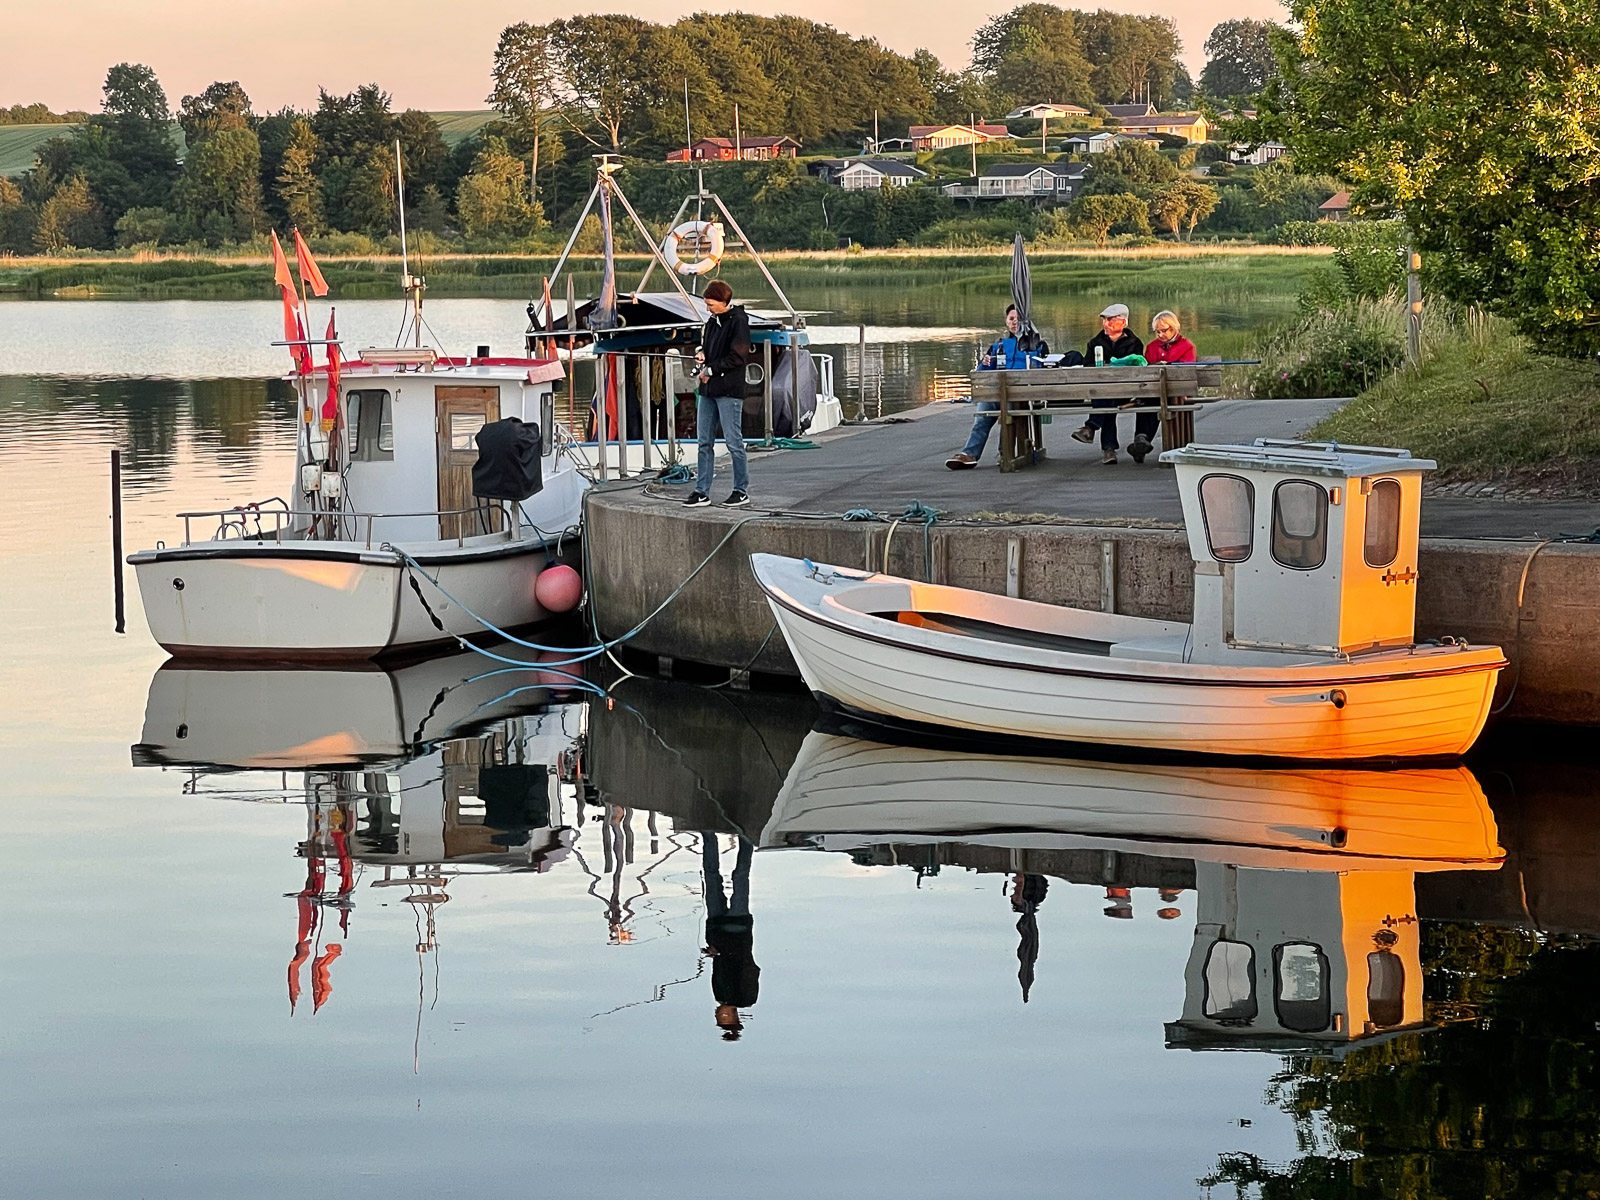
640 549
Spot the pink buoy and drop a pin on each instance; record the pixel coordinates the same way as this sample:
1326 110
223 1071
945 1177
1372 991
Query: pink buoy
558 589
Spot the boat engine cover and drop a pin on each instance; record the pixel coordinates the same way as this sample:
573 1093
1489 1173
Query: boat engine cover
508 466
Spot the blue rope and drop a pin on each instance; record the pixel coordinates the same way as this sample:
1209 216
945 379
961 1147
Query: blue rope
861 514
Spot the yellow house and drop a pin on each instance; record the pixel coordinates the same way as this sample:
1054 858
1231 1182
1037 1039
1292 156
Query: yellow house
1191 125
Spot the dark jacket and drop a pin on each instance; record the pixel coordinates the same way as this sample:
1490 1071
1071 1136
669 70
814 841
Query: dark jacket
726 344
735 978
1125 345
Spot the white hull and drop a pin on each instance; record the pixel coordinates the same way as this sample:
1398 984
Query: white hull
332 600
843 793
1422 702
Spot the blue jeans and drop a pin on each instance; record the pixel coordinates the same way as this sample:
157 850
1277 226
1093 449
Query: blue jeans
709 411
981 426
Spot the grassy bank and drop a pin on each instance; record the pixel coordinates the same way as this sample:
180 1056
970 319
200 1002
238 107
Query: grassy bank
1486 408
1152 272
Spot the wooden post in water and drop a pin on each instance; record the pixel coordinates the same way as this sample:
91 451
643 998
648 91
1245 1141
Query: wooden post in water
116 540
861 373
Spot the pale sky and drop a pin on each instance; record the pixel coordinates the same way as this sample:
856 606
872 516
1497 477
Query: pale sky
427 54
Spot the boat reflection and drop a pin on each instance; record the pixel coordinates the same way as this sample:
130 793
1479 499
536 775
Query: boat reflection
1306 928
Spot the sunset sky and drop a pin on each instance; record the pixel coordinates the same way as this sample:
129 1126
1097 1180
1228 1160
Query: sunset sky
427 54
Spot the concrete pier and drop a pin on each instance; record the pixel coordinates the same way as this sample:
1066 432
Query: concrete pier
1069 532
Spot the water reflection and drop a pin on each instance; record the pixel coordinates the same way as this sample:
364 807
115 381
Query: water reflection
1358 927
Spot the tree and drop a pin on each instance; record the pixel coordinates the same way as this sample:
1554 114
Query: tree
1133 57
1474 120
1239 58
221 185
1132 167
1182 205
70 218
125 151
526 85
17 219
1034 52
492 201
615 69
146 227
298 189
221 106
1097 216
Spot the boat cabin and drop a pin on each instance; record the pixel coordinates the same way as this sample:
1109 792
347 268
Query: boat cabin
410 419
1287 960
1300 547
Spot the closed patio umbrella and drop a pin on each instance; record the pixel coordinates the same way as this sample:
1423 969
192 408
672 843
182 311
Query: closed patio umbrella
1022 294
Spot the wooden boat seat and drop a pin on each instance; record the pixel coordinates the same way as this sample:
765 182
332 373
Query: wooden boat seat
1157 649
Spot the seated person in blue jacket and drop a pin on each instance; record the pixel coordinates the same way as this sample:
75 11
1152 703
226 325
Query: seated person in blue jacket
1013 352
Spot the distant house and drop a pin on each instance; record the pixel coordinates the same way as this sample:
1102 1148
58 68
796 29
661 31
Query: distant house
1123 111
1260 155
719 149
941 137
1191 126
1336 207
1040 112
1053 182
863 174
1149 139
1089 143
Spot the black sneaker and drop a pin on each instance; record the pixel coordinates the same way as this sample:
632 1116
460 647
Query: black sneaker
1140 447
697 500
737 500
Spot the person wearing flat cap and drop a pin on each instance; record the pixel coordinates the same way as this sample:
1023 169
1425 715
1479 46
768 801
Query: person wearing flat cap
1115 340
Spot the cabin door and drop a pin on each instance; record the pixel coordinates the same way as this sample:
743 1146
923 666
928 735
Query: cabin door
462 412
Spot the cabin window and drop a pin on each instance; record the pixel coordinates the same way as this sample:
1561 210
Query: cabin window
1228 505
464 428
1386 988
1230 983
1382 542
369 420
1300 991
1299 525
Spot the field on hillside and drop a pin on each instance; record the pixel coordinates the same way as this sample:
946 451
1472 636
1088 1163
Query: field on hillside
457 127
19 143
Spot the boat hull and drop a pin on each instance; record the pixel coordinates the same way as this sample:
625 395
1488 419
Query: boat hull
330 601
1389 707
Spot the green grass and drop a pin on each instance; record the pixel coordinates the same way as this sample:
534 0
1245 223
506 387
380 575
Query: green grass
1485 407
457 127
19 143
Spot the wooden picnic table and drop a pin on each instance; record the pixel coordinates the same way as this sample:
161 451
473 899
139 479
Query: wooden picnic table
1025 396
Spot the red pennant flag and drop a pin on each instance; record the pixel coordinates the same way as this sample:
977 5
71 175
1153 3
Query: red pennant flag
308 267
301 352
330 406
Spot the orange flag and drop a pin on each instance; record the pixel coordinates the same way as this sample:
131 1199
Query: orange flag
308 267
330 413
280 266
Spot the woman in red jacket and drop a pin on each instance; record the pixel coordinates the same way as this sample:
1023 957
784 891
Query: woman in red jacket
1168 346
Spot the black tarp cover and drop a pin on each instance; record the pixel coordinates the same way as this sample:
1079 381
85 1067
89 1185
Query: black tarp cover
508 466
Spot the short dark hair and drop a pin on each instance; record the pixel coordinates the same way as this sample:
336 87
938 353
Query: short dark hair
1010 308
719 291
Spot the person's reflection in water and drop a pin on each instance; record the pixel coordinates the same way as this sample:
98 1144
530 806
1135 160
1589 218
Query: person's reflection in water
1121 906
1027 893
730 937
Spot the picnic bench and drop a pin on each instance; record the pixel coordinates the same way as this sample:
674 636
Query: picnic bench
1025 396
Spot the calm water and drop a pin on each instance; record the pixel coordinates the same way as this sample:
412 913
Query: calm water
523 998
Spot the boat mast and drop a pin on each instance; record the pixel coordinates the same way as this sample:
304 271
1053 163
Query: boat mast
412 285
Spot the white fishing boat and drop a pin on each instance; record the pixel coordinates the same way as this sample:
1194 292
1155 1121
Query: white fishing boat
428 495
379 522
1302 644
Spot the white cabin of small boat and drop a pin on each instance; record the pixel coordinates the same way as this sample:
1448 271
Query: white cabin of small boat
1300 547
411 418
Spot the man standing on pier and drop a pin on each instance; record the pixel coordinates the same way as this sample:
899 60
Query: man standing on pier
724 353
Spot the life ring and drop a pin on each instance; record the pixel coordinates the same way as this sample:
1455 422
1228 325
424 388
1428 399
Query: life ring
702 235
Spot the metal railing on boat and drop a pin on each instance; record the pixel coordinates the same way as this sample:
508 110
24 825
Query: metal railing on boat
242 516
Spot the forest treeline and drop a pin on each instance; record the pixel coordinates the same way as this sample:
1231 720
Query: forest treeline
562 92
